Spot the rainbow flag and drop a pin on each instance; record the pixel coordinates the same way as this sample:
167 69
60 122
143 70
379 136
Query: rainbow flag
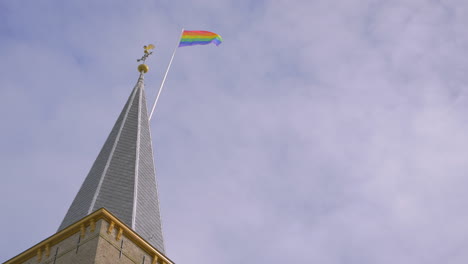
190 38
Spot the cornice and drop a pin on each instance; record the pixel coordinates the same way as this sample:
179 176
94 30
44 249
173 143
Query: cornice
80 227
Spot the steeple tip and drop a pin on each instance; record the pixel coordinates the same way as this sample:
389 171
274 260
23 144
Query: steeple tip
143 68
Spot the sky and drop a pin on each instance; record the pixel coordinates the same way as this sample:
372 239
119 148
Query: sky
319 131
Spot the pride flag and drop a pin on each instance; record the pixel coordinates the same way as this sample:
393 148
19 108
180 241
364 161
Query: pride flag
190 38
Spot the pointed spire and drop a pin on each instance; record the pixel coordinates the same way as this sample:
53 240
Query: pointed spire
122 179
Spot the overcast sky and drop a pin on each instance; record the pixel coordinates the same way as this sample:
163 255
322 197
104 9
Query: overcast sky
318 132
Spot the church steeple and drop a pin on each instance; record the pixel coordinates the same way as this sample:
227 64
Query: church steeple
122 179
115 216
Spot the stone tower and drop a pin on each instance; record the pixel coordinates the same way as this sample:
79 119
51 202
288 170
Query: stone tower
115 216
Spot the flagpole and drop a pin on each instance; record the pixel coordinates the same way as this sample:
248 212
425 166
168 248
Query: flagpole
165 75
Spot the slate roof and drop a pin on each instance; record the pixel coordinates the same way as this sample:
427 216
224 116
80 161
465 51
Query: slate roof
122 179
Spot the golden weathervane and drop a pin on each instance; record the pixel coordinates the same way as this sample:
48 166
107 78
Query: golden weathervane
143 68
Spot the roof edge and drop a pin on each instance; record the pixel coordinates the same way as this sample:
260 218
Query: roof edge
86 221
